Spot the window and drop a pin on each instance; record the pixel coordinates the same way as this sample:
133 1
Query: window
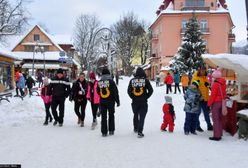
36 37
204 25
184 23
28 48
195 3
5 75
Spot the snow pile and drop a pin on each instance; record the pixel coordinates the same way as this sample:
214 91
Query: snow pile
26 141
244 112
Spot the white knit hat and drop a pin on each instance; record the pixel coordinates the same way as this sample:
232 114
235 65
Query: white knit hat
168 99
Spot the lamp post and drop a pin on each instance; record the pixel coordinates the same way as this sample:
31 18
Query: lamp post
35 49
246 4
40 48
106 36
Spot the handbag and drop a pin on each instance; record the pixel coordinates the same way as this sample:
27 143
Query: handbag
223 105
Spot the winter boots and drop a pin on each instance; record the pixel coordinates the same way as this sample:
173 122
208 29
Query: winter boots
111 132
94 123
79 121
82 123
214 138
140 135
48 118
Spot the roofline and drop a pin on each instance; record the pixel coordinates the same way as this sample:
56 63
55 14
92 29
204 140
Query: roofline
207 12
43 31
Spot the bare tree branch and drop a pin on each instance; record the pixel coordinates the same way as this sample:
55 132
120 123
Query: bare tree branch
85 40
13 17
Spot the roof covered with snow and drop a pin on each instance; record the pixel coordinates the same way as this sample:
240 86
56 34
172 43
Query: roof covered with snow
8 54
235 62
38 56
63 39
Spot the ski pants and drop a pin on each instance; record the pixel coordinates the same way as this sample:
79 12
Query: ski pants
139 111
58 101
107 109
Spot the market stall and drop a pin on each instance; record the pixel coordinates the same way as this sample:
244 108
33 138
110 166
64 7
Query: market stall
235 69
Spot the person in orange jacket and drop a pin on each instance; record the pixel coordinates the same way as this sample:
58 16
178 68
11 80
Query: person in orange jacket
168 81
17 78
169 115
185 82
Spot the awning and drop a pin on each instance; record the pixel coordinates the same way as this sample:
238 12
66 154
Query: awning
41 66
234 62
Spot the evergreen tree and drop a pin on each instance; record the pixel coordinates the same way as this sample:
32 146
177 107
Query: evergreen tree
189 55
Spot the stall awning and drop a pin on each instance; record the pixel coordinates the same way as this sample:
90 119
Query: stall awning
41 66
237 63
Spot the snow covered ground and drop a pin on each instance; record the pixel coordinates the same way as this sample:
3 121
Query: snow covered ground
24 140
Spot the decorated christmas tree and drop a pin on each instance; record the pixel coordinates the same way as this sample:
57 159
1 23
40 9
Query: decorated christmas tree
189 55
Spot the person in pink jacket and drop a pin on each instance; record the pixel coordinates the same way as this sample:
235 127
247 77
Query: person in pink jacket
47 99
93 97
218 93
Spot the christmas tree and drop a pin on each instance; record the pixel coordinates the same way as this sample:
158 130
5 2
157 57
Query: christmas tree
189 55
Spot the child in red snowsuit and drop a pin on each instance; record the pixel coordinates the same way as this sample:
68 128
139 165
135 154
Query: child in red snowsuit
169 115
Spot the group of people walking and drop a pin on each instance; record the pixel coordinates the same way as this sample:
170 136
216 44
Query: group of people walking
103 96
23 82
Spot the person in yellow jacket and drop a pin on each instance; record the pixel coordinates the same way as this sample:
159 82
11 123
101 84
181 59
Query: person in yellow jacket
201 76
185 82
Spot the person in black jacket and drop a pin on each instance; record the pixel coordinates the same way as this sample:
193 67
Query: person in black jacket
139 90
60 90
78 94
30 83
108 97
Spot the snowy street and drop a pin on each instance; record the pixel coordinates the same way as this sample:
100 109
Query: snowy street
24 140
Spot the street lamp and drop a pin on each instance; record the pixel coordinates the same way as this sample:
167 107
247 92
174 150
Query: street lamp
35 49
246 4
40 48
106 35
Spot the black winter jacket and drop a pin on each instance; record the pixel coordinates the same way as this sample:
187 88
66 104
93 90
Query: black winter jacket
139 88
76 89
30 82
107 90
59 87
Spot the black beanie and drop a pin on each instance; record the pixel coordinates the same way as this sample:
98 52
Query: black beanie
105 72
60 71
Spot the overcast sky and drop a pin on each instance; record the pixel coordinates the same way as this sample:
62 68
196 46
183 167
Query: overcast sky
59 15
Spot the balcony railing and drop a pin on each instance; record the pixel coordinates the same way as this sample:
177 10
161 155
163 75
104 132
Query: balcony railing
154 36
203 30
186 8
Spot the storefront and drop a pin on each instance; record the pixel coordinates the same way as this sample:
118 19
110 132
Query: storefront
6 71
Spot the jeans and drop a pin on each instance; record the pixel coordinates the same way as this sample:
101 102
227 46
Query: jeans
204 107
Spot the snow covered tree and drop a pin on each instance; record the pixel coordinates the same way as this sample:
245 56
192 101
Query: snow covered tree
189 55
13 17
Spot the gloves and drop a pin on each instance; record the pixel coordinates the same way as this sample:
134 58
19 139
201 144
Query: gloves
70 98
206 84
118 104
